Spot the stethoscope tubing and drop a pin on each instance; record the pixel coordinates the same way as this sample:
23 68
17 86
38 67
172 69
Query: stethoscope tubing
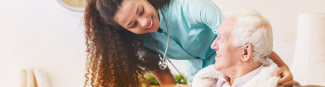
166 46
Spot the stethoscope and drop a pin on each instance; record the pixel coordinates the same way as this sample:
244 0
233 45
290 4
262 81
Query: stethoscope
162 63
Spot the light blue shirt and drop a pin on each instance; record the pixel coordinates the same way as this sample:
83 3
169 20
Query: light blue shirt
192 26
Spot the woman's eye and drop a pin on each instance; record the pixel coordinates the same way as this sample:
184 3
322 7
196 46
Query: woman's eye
142 11
135 23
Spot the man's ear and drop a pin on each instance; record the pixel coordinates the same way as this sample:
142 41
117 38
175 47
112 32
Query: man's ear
246 52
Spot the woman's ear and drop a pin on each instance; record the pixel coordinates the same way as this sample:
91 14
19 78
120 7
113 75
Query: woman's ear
246 52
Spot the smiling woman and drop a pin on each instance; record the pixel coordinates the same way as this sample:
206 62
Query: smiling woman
113 51
138 16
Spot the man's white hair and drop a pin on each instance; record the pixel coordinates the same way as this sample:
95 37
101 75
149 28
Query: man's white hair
250 27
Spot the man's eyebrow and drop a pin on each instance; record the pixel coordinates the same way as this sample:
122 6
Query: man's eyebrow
219 33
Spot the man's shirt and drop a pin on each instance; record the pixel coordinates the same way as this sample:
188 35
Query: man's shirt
223 80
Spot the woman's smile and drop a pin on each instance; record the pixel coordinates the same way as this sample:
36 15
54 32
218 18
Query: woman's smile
152 23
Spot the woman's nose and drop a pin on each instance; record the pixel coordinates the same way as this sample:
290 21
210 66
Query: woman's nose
144 22
214 44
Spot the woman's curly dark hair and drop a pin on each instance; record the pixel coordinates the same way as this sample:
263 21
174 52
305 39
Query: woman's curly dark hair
113 53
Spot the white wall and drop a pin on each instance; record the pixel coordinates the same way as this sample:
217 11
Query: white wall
35 34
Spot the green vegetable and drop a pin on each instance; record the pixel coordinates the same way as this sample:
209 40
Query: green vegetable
153 81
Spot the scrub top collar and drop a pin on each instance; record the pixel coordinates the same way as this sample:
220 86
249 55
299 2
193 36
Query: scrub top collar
160 30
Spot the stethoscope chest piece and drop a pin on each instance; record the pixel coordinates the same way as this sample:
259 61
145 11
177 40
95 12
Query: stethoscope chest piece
163 57
162 63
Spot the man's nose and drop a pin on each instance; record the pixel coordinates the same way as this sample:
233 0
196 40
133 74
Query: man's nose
214 44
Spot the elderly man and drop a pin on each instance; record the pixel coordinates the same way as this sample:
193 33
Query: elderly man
243 46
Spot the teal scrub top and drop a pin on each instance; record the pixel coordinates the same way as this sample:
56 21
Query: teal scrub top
192 26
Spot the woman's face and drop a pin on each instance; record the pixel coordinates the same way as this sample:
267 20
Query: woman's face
138 16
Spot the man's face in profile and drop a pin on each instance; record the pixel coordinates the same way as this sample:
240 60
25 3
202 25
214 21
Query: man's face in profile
227 54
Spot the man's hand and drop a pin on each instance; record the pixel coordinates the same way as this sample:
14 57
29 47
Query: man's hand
286 76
